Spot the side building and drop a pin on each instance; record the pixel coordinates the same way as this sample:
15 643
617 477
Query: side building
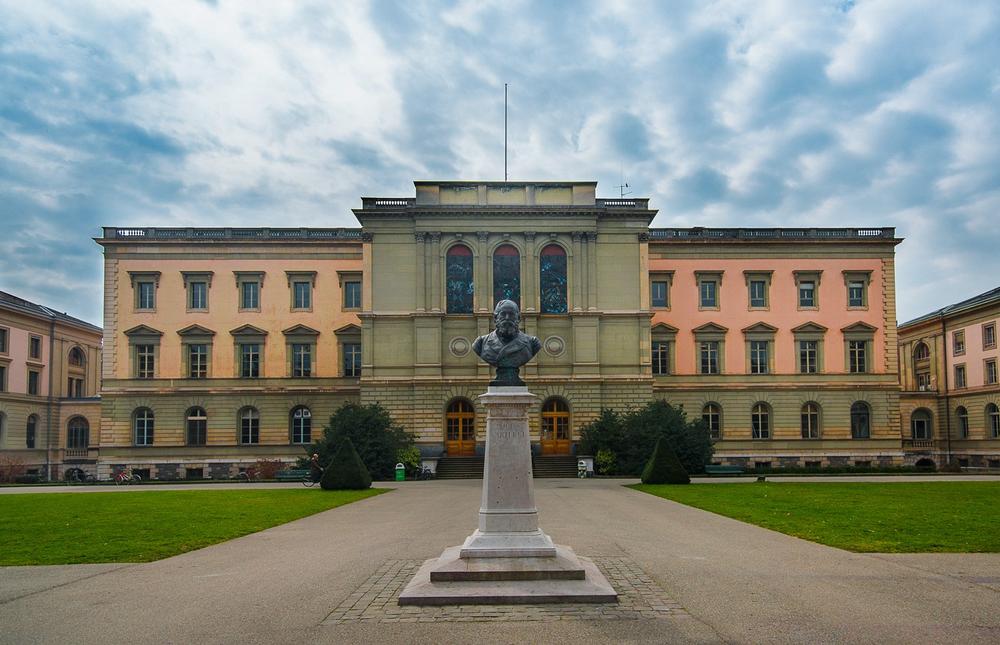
951 393
49 381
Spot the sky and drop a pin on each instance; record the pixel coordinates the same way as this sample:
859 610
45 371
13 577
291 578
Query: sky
727 113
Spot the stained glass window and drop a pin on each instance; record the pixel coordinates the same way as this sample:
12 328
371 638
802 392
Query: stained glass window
506 274
553 279
460 286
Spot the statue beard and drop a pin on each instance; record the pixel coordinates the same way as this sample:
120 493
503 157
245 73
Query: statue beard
507 331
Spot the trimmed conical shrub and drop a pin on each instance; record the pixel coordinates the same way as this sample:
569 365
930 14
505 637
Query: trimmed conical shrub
664 467
346 470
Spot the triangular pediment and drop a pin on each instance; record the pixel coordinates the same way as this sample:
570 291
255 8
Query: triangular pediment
710 327
248 330
760 328
859 327
663 328
300 330
195 330
809 328
348 329
143 330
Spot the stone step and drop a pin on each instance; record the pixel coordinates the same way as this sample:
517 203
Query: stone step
453 568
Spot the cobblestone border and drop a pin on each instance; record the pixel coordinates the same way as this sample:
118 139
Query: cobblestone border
639 597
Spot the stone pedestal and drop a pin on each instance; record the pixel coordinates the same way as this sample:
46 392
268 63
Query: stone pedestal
508 559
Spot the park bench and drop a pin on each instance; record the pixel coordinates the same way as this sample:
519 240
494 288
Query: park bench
292 475
723 470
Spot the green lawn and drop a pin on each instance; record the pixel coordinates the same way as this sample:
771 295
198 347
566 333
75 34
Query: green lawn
904 517
70 528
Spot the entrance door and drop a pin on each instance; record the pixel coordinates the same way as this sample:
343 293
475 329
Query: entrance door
460 429
555 428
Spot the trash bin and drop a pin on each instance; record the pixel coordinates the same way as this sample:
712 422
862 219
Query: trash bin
400 472
581 469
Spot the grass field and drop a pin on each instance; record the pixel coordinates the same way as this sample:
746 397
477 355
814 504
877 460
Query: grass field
904 517
70 528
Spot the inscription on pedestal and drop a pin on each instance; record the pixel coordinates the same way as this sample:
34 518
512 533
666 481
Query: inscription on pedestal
509 434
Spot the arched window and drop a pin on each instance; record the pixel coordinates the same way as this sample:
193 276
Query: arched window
963 422
506 274
301 419
810 420
460 428
78 434
76 358
860 420
31 432
711 414
249 426
993 420
760 421
459 288
921 366
552 279
142 427
921 352
196 421
3 426
555 427
920 424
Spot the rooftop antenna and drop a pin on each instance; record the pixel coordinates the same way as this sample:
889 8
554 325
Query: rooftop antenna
622 186
505 133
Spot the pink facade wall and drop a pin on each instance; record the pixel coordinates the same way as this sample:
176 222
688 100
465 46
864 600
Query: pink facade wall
783 312
17 370
974 353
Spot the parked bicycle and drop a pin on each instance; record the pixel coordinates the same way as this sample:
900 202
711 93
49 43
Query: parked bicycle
424 474
126 477
79 476
248 475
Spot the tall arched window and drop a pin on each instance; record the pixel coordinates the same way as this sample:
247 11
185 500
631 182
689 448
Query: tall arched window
963 422
459 288
921 352
506 274
142 427
810 421
31 432
760 421
197 426
711 414
3 426
78 434
249 426
860 420
552 279
460 428
301 419
993 421
76 357
555 427
920 424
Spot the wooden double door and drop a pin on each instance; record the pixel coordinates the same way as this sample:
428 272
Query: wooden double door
555 428
460 429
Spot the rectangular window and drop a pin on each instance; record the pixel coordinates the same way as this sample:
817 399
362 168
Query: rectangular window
990 336
807 293
145 295
855 293
857 353
990 371
808 356
3 378
959 376
197 361
33 380
713 421
145 358
923 381
709 351
74 388
958 342
758 293
352 360
35 347
198 295
301 360
3 341
249 295
352 295
661 357
302 295
658 293
250 360
759 356
709 293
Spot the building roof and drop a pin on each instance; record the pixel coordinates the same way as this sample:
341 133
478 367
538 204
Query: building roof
14 303
227 234
986 298
701 234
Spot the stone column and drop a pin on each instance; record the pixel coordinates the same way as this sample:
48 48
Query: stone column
529 282
421 278
578 261
508 518
484 290
435 259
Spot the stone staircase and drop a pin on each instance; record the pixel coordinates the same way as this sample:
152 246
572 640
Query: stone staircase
555 466
563 466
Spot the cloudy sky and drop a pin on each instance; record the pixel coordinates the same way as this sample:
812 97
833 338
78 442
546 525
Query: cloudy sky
757 113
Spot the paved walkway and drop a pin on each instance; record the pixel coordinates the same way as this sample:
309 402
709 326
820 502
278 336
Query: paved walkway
736 582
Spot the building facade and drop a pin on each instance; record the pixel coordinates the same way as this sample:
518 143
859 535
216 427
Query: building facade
226 345
950 401
49 381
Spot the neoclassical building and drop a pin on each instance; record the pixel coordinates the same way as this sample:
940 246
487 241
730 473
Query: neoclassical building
225 345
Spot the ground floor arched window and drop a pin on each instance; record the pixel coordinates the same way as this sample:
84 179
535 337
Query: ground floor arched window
197 426
78 434
920 425
711 414
860 420
301 419
760 421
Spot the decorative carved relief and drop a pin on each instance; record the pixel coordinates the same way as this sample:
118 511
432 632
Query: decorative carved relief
554 346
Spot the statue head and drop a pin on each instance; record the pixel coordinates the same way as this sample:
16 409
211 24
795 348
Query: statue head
507 317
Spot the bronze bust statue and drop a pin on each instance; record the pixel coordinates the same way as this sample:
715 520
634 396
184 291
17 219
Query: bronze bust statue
506 347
